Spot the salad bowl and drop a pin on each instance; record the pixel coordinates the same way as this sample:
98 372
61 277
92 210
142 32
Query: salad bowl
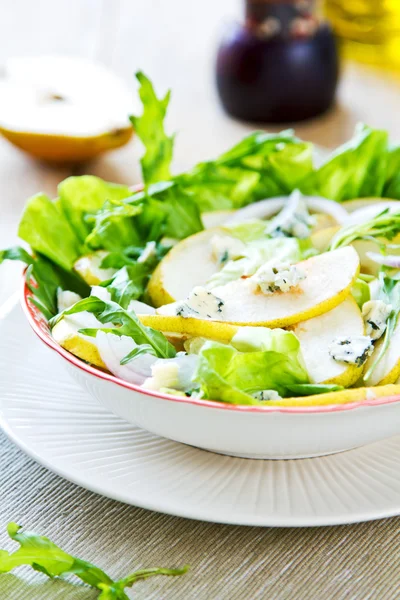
262 432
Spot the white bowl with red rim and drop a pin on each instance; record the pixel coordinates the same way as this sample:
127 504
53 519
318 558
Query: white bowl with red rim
264 432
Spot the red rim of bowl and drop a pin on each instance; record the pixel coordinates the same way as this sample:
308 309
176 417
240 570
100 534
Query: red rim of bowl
39 325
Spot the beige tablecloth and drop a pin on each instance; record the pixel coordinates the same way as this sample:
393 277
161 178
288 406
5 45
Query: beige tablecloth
357 562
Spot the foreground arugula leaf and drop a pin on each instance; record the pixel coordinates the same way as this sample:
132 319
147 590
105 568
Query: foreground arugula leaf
46 557
126 323
150 129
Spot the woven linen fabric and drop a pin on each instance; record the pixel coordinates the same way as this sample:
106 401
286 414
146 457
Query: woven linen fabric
357 562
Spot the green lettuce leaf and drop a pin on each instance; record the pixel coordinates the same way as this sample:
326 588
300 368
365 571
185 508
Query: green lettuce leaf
84 195
261 166
46 557
355 170
257 253
125 322
392 184
149 127
46 229
274 362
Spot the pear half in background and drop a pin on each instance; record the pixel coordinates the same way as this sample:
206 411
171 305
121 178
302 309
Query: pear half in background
63 109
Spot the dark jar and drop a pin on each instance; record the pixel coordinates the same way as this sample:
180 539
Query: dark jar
280 65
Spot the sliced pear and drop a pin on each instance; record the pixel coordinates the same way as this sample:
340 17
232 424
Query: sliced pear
63 109
66 333
216 218
357 203
388 369
328 281
188 264
88 267
321 238
317 334
362 394
213 330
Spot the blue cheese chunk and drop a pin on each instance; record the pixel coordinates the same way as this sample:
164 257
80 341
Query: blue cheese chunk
225 248
353 350
201 304
281 277
266 395
375 314
294 220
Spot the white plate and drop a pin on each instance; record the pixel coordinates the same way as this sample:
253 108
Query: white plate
61 427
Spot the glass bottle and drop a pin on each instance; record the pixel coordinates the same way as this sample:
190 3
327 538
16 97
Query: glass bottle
280 65
369 29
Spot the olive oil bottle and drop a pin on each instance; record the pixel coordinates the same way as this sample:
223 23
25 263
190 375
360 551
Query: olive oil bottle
369 29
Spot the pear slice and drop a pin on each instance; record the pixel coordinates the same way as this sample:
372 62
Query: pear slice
361 394
188 264
213 330
63 109
88 267
216 218
329 278
388 369
66 333
316 335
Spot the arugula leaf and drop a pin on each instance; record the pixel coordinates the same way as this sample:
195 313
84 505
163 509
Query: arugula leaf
392 184
355 170
313 389
129 283
45 228
46 557
84 195
44 278
385 225
126 323
150 129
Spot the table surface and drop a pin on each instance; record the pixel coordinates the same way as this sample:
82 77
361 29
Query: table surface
174 42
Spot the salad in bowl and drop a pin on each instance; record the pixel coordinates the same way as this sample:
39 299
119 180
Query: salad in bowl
258 282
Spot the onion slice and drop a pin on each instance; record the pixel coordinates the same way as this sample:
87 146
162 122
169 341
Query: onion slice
265 209
386 260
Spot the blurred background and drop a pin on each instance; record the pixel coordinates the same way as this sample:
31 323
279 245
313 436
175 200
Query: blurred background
175 43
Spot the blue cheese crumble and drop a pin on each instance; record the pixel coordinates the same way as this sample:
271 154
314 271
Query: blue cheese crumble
225 248
201 304
281 277
294 220
375 314
353 350
266 395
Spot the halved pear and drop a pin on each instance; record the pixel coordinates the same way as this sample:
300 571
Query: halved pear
63 109
329 278
388 369
316 335
361 394
66 333
188 264
88 267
